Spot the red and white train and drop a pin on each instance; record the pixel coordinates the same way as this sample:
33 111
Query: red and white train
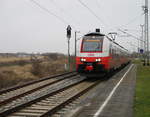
99 53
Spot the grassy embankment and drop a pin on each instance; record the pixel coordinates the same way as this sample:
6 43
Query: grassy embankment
142 95
15 74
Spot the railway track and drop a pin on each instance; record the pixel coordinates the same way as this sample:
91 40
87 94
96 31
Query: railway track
47 101
33 82
11 94
50 99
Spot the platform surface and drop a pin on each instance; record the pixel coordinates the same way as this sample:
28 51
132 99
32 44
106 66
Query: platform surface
120 104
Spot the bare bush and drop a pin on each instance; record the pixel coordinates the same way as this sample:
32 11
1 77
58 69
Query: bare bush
37 68
8 78
53 56
46 68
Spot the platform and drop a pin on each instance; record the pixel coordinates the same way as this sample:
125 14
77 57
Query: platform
104 101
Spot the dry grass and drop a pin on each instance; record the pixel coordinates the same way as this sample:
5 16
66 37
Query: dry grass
12 59
21 71
14 75
17 74
47 68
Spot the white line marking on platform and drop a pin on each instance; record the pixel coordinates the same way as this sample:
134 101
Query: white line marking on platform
111 94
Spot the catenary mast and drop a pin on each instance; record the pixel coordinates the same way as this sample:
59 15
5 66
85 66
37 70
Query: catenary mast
146 31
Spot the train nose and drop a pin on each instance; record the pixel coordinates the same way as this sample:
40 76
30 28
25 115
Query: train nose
89 68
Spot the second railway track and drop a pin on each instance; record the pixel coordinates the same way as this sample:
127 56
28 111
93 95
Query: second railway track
53 97
8 96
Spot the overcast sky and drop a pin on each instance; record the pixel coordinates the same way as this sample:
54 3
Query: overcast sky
25 27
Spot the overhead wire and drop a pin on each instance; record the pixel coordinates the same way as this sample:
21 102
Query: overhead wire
92 12
53 14
105 17
135 18
49 12
63 11
83 4
129 34
132 30
121 28
131 21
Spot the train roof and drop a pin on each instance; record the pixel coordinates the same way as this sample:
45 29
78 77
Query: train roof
120 46
117 43
100 34
94 34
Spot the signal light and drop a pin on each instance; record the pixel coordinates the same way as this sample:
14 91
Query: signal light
69 31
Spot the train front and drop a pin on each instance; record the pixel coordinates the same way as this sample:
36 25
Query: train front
89 59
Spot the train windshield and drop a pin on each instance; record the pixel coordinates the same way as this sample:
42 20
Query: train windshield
92 45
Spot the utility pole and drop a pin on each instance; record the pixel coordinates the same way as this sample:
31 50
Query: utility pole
146 31
75 47
76 43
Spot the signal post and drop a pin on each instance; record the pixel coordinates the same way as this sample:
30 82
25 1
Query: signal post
68 37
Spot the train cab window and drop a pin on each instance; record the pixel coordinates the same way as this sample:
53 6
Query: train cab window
92 45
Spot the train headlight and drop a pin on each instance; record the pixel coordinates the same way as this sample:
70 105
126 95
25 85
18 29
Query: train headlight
98 60
83 60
